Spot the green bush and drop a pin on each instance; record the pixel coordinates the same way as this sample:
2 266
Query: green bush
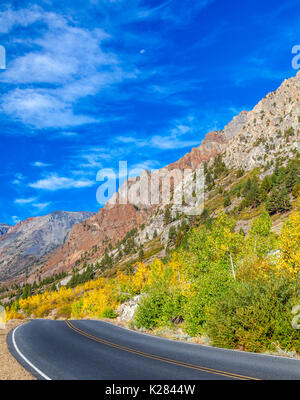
255 316
108 313
207 291
159 309
149 311
172 308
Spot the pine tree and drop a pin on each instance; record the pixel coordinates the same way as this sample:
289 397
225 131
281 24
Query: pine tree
141 254
167 216
247 187
283 200
266 184
227 201
53 287
172 233
254 194
272 201
292 176
208 178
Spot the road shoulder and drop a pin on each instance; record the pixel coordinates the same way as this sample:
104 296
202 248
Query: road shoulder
10 368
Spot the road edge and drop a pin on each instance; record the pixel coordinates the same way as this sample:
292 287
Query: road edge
20 357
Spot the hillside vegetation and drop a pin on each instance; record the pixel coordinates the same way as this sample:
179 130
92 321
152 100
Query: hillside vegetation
237 288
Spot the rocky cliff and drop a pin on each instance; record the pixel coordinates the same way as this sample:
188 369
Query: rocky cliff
24 245
270 130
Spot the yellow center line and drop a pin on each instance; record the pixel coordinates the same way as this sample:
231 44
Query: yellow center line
163 359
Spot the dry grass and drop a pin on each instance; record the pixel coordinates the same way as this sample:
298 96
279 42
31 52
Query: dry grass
10 369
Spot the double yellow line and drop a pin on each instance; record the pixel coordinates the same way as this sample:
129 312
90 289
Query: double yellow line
163 359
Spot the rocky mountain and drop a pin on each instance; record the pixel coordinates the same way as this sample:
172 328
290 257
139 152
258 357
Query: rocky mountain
270 130
4 228
24 245
214 143
253 138
92 236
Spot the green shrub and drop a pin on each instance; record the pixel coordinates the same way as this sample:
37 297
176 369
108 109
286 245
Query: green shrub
159 308
108 313
256 316
207 291
149 311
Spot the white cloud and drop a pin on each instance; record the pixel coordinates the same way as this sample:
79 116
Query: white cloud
19 178
25 201
93 157
23 17
54 182
171 142
41 206
69 60
41 109
174 12
40 164
183 133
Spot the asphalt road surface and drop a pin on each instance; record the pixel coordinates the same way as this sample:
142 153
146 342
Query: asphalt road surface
99 350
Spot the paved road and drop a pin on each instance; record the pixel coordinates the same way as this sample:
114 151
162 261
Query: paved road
99 350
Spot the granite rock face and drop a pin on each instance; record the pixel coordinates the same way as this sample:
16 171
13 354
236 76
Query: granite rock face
24 245
272 128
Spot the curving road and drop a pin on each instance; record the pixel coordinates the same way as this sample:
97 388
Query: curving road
100 350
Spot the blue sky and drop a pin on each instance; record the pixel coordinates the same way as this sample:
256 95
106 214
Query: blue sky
89 83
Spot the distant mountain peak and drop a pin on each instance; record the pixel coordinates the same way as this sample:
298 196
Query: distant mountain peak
22 246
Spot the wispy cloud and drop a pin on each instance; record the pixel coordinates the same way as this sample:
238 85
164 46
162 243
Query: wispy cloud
66 64
41 206
23 17
32 202
69 133
19 178
25 201
54 182
40 164
181 134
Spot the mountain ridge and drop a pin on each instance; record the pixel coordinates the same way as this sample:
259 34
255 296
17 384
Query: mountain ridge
251 139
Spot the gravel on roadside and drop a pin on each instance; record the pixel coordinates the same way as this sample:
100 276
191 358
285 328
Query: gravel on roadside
10 369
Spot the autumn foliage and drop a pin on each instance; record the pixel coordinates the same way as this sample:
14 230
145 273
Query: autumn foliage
237 289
